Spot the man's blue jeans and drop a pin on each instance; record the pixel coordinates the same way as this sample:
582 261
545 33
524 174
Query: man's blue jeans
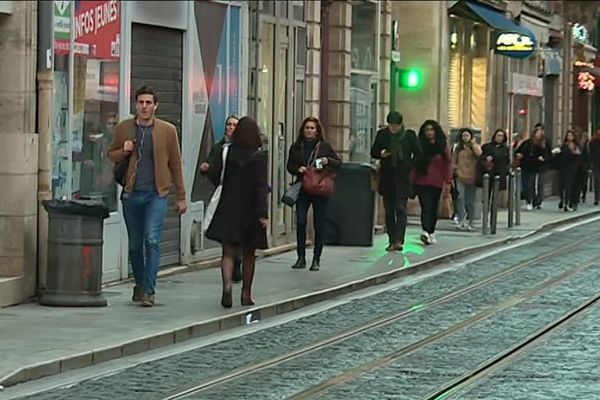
144 214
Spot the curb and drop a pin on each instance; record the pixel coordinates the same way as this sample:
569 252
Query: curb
181 334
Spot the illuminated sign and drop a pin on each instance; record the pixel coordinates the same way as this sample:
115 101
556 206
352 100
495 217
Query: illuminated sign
583 64
580 33
586 81
516 45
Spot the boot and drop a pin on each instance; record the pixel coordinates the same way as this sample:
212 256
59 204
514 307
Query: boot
248 272
300 263
316 264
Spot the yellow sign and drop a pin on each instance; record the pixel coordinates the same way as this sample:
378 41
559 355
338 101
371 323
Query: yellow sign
514 42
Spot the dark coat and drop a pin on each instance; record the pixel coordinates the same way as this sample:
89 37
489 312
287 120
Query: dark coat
498 167
243 199
396 179
594 156
296 158
531 151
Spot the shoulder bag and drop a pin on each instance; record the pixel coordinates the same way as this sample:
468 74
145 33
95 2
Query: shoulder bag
120 169
318 182
209 213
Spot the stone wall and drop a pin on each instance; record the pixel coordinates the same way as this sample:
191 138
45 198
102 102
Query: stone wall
18 146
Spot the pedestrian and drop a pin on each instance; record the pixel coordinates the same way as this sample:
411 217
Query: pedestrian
583 170
241 217
432 176
569 159
213 158
495 161
154 166
533 155
310 150
594 158
465 159
396 149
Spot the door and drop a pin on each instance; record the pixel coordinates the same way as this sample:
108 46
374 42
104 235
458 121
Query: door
157 60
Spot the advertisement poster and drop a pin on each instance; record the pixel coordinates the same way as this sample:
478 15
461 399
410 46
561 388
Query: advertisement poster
97 28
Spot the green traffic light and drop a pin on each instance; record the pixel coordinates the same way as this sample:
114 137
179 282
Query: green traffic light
409 78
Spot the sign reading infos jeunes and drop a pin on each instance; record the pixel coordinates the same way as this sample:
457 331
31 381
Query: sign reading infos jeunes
514 44
97 28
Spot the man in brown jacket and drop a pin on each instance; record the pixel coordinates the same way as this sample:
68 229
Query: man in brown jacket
154 166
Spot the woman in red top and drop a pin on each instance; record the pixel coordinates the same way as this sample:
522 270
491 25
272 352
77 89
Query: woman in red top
433 170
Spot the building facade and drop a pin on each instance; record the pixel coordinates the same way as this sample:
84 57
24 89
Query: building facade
278 61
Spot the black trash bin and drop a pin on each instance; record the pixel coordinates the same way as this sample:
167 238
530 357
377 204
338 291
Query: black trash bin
74 277
351 211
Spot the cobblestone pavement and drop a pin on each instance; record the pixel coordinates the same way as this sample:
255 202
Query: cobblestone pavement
412 376
566 366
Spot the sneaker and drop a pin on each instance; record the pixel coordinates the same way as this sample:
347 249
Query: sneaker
147 300
138 294
455 220
425 238
462 226
470 228
538 207
432 238
529 207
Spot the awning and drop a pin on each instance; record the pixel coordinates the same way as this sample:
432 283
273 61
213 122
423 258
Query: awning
481 13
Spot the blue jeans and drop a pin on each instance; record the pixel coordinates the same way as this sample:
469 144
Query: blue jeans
144 214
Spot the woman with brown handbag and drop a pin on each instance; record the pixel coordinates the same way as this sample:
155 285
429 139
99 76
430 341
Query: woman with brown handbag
313 161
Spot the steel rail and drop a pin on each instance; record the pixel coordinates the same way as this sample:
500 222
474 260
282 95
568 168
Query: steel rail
370 325
381 362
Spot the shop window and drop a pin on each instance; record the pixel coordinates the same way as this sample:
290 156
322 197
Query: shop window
364 36
298 9
301 52
362 116
86 102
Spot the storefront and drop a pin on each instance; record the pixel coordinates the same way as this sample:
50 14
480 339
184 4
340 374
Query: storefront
584 78
191 52
486 50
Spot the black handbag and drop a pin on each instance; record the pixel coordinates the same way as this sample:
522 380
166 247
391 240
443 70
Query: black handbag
120 171
290 196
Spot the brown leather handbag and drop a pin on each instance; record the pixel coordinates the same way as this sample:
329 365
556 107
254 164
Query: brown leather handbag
318 182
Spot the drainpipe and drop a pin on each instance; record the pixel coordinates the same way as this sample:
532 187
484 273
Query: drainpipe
45 84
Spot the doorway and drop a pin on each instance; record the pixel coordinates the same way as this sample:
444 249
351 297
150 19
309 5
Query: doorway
157 60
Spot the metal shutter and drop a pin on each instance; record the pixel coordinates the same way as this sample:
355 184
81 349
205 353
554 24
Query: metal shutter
156 60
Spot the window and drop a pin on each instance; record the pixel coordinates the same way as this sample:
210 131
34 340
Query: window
364 36
86 104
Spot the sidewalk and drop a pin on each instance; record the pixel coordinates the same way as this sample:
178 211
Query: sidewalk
38 341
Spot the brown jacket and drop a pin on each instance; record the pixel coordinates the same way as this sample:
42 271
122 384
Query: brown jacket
167 156
465 163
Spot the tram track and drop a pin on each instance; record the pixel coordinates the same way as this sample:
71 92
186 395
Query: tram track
380 322
501 360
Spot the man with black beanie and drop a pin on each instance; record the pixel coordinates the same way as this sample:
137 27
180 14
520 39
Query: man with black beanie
397 149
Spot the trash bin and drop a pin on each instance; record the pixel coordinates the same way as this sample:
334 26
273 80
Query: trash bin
351 211
74 277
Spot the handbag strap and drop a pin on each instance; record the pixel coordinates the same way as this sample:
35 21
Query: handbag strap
313 155
224 158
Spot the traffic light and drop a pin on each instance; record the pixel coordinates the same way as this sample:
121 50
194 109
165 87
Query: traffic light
410 78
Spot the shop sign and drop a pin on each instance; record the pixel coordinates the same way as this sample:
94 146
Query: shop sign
586 81
514 44
97 28
526 85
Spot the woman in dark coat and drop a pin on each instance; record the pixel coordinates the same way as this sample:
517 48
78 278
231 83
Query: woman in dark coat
495 161
240 219
594 158
310 149
569 160
534 154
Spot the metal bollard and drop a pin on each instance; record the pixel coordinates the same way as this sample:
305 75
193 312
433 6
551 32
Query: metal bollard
494 206
486 204
511 201
518 197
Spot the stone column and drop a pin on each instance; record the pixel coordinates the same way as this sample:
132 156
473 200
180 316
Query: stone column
338 124
313 64
385 48
421 26
18 152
